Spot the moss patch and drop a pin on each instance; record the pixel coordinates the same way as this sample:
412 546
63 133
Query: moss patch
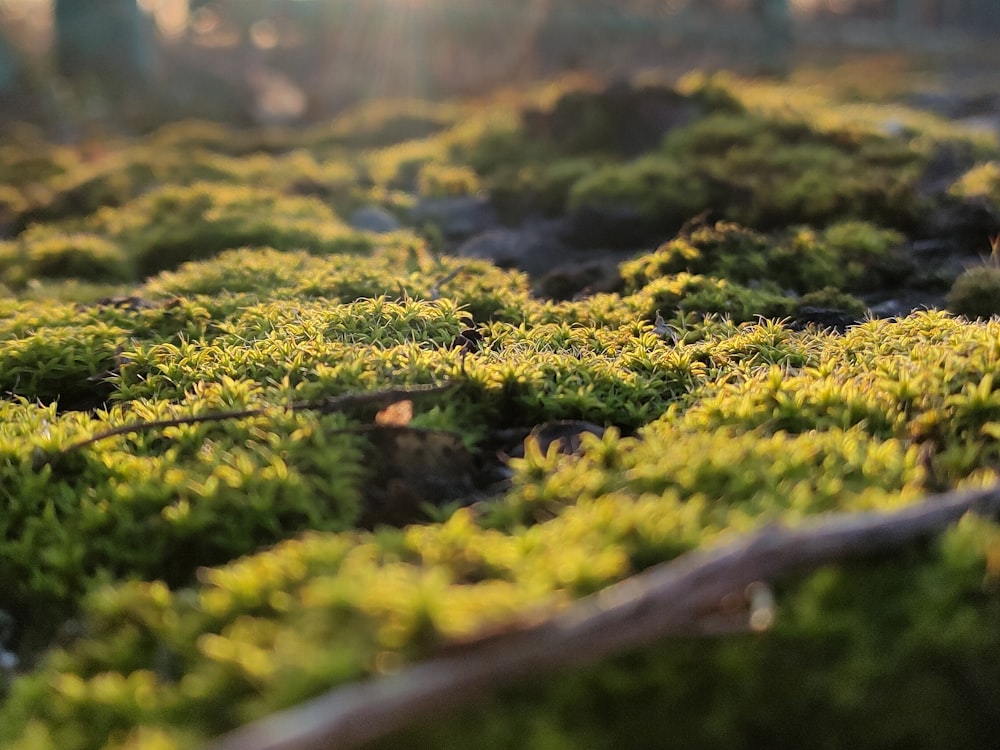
216 571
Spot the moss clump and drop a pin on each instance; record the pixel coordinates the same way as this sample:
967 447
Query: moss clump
157 507
661 191
118 178
81 256
620 119
383 123
171 224
976 292
763 172
981 183
269 273
544 187
201 135
124 174
440 181
847 255
28 168
740 425
831 299
684 292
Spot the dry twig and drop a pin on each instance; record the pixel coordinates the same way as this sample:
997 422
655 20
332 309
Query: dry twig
669 599
379 399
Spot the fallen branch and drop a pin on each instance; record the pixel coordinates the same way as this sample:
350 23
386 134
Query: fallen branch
669 599
380 399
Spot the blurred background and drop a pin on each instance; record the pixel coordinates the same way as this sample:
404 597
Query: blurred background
134 64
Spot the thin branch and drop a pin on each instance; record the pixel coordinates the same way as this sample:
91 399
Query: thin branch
323 406
436 288
669 599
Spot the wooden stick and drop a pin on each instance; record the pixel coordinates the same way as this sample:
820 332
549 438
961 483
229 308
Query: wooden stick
324 406
668 599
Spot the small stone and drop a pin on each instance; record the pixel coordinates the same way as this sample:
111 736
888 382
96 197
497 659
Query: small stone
528 251
457 218
374 219
8 661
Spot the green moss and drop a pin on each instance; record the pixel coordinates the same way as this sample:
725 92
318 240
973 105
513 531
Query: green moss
766 425
661 190
383 123
273 629
830 298
268 273
441 181
705 249
706 295
171 224
213 570
123 175
158 506
763 172
398 166
853 659
82 256
56 362
518 189
847 255
982 183
976 292
202 135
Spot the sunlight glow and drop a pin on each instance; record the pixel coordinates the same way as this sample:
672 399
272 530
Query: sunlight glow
171 16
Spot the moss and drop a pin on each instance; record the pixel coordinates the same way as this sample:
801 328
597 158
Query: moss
266 272
383 123
125 174
118 178
976 292
86 257
791 686
619 119
795 157
830 298
273 629
214 571
707 295
754 424
981 183
662 191
439 180
202 135
171 224
158 507
847 255
544 187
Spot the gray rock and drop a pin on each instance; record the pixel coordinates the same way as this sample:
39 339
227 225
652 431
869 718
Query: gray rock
374 219
612 226
457 218
8 659
904 301
823 317
584 277
532 252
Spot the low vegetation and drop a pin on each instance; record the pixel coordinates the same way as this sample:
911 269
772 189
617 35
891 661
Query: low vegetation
294 505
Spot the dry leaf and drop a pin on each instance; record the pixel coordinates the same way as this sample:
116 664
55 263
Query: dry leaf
397 414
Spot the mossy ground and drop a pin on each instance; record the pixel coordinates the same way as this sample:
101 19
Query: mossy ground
170 584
